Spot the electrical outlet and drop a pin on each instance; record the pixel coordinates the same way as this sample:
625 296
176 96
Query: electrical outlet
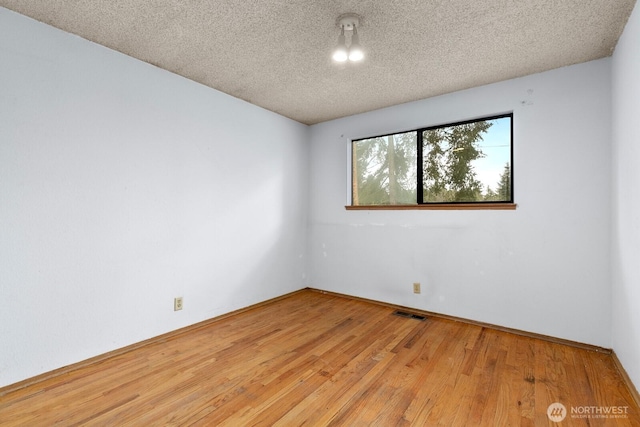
416 288
177 303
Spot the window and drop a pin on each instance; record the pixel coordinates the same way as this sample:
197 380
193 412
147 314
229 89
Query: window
461 163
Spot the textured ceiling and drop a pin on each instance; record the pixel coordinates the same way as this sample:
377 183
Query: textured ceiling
276 53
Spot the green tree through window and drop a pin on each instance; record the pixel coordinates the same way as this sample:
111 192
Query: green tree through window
467 162
385 170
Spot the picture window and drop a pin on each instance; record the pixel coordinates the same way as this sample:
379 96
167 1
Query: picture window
467 162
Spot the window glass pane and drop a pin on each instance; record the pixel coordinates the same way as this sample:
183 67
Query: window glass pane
384 170
468 162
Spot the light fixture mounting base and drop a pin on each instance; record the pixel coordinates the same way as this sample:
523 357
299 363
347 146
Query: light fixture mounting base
349 20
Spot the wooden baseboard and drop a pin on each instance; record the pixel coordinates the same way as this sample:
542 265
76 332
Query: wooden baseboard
548 338
160 338
626 378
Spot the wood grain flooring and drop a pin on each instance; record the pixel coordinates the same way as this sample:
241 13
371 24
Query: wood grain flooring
323 360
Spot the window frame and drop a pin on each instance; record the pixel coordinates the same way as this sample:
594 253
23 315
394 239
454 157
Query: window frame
420 203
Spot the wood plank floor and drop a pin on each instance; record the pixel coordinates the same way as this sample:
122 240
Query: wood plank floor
323 360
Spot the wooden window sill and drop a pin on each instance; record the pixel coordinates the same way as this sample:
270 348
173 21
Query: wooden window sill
436 207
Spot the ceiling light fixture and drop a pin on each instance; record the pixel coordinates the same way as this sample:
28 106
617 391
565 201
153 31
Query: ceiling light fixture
353 52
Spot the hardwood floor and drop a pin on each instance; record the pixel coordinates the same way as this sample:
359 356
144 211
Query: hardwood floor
323 360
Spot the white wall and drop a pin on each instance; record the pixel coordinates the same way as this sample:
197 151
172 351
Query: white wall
626 198
123 186
543 268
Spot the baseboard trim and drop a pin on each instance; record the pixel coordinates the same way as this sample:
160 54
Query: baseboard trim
118 352
626 378
548 338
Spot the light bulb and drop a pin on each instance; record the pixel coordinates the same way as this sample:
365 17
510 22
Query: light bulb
340 54
355 51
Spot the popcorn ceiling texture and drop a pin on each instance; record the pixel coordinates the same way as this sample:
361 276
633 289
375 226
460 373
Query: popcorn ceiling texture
277 53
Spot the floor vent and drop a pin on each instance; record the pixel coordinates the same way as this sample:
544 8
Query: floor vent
408 315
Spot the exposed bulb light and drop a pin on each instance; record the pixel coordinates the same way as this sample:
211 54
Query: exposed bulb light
353 52
341 54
